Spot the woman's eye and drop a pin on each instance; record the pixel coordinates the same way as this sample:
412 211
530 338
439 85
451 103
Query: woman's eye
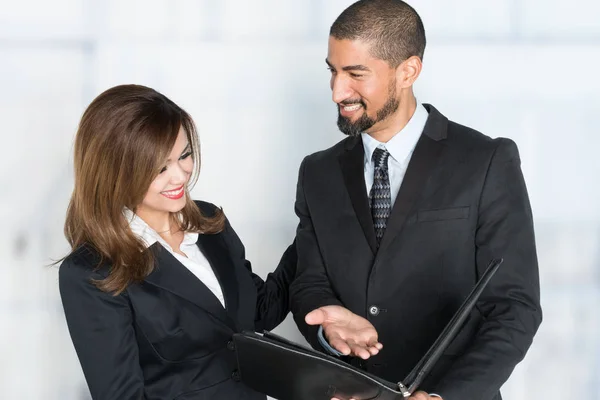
183 157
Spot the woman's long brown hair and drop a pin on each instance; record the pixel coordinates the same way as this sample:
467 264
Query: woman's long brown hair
124 138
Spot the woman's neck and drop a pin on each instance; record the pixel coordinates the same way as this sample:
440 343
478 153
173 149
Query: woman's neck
161 222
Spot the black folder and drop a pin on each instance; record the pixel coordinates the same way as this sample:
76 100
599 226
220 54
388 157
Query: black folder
289 371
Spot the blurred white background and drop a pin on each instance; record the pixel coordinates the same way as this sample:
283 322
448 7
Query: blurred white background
253 76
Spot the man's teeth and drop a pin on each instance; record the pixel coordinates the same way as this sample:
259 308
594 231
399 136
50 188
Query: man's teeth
352 107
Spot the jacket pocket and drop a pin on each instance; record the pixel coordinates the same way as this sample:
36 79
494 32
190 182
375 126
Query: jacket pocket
443 214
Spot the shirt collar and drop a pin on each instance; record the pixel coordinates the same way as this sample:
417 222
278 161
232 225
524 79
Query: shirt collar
144 232
401 145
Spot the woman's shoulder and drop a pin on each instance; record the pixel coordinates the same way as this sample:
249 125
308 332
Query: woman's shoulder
84 262
207 209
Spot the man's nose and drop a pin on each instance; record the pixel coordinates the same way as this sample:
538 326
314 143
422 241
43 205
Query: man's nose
340 89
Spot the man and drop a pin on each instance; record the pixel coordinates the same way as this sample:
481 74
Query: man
400 219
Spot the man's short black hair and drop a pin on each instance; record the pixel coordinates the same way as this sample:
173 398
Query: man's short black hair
393 28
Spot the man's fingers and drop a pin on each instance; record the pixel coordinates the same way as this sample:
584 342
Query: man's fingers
373 350
374 347
420 395
316 317
340 345
348 346
374 343
358 350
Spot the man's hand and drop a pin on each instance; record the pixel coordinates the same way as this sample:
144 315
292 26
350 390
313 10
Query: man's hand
420 395
345 331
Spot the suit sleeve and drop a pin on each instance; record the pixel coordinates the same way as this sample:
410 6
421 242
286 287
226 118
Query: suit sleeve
272 302
311 288
510 305
101 328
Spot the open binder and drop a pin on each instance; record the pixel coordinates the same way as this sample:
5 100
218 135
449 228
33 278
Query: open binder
289 371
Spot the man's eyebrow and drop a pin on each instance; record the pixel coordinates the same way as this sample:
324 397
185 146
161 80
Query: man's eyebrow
357 67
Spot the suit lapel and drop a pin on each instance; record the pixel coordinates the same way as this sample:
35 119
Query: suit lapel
215 250
420 166
352 164
174 277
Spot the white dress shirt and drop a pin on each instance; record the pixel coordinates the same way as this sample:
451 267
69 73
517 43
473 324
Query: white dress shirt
400 147
195 261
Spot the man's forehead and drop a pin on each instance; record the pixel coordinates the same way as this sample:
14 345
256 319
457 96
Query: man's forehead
343 53
350 44
357 49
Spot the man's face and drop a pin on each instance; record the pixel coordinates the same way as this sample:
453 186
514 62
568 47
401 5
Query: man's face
363 87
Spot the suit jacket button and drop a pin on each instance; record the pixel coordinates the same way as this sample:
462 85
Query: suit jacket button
231 345
235 376
374 310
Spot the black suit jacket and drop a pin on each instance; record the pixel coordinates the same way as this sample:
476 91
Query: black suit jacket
169 337
462 203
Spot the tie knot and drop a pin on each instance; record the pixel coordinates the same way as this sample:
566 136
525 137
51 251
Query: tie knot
380 157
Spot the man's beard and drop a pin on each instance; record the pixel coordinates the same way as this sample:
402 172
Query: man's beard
365 122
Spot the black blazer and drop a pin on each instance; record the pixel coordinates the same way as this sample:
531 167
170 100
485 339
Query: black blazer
169 337
462 203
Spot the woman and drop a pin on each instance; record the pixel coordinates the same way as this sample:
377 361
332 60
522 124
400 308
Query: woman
156 284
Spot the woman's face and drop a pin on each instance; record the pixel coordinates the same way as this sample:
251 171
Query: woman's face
167 191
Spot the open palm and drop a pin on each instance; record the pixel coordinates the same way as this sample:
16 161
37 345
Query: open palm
345 331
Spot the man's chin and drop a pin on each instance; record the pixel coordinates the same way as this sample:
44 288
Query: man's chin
349 130
349 127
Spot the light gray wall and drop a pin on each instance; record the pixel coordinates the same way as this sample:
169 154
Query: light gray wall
252 74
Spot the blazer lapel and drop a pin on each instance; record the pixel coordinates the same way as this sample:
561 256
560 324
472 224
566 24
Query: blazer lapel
422 163
215 250
352 164
174 277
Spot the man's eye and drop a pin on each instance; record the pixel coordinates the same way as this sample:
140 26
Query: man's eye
355 75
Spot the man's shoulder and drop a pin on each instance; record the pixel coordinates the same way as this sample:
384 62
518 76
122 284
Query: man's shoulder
462 134
333 152
455 135
469 139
